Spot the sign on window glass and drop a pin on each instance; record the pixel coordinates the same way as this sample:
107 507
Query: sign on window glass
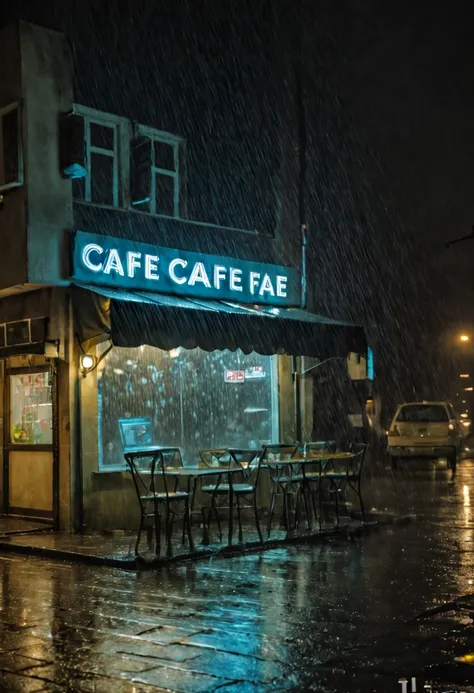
31 409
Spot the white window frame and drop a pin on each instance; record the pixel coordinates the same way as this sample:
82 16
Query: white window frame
119 125
20 176
177 143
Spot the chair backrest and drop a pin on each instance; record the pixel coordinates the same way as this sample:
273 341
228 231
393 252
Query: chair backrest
279 452
135 433
354 465
171 457
217 457
249 461
144 465
318 446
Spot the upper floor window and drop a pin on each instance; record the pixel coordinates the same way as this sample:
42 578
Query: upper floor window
157 172
11 158
102 154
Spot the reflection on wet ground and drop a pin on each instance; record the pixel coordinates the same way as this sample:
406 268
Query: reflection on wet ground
332 617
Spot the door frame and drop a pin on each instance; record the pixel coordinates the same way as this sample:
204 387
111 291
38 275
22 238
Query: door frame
49 517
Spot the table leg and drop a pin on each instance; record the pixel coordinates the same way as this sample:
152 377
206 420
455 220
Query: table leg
231 511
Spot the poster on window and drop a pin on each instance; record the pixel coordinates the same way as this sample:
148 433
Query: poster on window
234 376
255 373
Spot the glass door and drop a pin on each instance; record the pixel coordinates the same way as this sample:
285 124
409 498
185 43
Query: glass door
30 468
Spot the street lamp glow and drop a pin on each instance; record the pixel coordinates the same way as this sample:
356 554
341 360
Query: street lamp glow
464 338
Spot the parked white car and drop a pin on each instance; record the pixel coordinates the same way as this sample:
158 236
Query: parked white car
425 430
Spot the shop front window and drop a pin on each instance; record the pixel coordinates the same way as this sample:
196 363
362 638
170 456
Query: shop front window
190 399
31 409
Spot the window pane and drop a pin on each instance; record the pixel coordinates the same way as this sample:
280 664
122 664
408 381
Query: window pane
423 413
165 195
18 333
164 155
78 188
184 398
102 136
10 146
31 409
102 179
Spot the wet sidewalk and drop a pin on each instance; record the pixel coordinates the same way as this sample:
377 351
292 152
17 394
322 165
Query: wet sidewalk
17 526
338 616
117 549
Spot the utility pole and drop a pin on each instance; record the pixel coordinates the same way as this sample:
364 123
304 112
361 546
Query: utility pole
302 219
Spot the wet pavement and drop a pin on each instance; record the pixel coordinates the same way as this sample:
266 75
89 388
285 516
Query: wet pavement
17 526
344 615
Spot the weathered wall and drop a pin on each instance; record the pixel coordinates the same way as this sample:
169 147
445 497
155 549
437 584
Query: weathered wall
12 211
47 92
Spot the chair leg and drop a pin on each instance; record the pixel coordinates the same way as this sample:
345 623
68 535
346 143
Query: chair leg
320 505
140 529
205 532
157 535
187 522
257 521
306 507
270 513
286 511
195 483
241 536
169 533
184 530
337 504
359 493
297 509
218 522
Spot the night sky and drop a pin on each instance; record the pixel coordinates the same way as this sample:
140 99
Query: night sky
389 96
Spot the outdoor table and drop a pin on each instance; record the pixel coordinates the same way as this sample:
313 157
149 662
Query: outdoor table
320 458
201 471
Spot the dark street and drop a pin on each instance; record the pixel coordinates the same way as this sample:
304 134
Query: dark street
333 617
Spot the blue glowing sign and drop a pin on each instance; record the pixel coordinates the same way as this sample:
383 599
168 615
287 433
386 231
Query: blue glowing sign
125 264
370 364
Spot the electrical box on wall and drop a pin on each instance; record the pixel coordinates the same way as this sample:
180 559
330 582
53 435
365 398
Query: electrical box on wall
360 368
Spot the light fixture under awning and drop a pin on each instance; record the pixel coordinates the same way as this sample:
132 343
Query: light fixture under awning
133 318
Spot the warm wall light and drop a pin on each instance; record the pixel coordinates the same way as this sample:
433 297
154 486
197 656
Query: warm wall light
469 389
87 362
464 375
464 338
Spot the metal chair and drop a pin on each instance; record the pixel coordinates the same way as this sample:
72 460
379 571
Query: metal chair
350 476
146 466
248 463
311 481
284 478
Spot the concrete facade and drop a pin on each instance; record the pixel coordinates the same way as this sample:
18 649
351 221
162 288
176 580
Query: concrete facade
36 217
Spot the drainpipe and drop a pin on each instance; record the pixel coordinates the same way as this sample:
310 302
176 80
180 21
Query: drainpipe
302 150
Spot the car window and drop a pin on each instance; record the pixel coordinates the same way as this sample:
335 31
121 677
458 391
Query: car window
426 413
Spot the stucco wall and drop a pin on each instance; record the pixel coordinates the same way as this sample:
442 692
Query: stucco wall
12 210
47 92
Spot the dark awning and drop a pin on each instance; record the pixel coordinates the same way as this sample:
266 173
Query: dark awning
133 318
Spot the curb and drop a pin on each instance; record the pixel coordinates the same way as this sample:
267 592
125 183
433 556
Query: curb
137 564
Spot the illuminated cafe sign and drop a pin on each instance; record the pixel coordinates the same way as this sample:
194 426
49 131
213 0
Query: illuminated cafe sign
124 264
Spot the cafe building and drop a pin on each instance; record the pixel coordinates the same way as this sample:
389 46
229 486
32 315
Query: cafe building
121 326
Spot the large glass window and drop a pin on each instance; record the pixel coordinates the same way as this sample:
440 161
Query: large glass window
31 409
186 398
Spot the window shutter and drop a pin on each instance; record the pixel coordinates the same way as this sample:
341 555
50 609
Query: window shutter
72 151
140 173
11 160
